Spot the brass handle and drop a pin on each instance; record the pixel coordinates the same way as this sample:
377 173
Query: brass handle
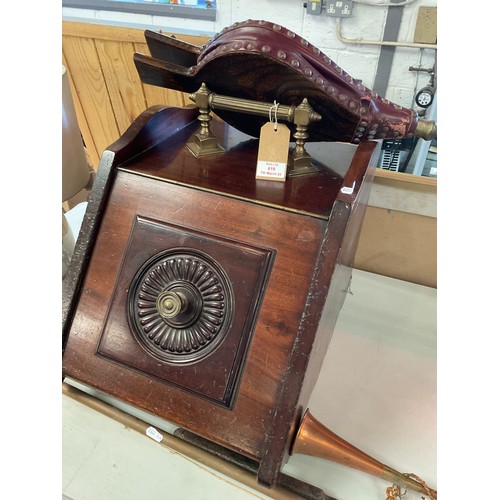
204 143
204 98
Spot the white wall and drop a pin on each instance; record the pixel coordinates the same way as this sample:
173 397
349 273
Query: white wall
360 61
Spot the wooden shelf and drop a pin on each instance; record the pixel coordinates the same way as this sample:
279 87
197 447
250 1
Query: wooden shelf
402 177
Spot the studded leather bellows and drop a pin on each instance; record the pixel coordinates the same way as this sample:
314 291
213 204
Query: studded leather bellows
266 62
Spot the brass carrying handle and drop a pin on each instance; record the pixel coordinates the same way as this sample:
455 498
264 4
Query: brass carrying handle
205 144
204 98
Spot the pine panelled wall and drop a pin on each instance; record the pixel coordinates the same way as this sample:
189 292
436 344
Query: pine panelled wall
107 92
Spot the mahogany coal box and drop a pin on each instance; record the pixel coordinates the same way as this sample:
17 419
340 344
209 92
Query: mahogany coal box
204 296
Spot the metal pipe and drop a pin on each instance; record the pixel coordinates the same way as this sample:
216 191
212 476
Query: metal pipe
384 3
360 41
176 444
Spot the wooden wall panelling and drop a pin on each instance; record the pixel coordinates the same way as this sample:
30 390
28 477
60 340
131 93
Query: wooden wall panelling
119 34
82 121
122 81
85 67
106 87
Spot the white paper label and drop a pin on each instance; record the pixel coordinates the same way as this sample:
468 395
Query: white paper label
271 170
272 157
154 434
348 190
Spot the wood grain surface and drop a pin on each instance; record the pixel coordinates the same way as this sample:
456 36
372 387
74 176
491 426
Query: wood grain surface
309 224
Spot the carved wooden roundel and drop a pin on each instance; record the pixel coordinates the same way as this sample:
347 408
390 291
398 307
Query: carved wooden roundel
180 305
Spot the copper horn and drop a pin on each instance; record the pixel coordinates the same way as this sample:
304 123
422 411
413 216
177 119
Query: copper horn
315 440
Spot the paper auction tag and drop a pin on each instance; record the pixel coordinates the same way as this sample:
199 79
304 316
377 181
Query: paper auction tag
154 434
273 152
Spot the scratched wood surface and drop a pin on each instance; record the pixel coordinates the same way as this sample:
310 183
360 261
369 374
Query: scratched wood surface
308 245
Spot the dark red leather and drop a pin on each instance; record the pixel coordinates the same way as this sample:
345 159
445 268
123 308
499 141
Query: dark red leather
267 62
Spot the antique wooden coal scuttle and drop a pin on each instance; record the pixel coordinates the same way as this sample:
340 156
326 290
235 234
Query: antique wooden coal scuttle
201 294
